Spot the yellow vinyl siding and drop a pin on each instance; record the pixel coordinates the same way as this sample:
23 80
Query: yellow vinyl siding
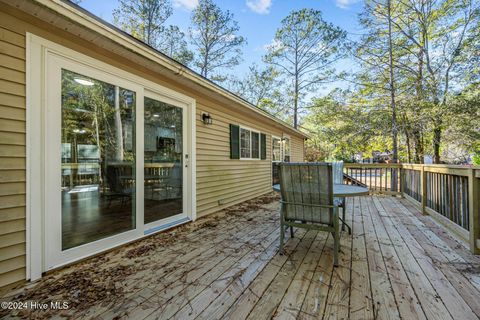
12 213
13 113
12 251
12 154
10 238
16 275
221 182
297 149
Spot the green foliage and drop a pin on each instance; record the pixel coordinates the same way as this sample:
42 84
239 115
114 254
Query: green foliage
174 45
433 46
463 118
303 50
145 20
214 36
476 159
263 88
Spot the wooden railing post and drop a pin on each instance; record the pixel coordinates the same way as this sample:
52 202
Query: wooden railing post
400 184
474 209
423 185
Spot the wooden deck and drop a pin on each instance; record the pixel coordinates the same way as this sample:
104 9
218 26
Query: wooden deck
397 264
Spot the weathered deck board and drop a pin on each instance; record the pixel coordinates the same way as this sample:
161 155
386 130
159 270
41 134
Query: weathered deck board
445 258
316 299
292 301
267 305
361 306
452 300
383 293
339 295
250 296
396 264
431 303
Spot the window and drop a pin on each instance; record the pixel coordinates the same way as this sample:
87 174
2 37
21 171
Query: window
245 145
286 149
276 149
255 145
250 145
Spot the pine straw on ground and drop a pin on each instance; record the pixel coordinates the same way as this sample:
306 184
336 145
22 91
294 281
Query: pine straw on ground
101 279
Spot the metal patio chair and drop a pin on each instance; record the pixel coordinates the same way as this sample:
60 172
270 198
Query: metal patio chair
340 202
307 200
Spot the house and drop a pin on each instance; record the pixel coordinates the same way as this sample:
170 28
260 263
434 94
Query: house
104 140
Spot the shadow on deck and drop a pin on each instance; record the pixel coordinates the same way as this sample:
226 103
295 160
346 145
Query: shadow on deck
396 264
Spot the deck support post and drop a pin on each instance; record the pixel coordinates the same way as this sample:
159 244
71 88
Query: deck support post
423 187
474 209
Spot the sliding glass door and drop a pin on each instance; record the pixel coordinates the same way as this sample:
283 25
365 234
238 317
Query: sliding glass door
116 165
163 160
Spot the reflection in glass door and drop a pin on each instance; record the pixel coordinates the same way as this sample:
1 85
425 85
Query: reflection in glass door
163 154
98 160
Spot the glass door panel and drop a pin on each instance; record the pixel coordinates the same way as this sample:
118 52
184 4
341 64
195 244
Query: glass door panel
98 159
276 149
163 154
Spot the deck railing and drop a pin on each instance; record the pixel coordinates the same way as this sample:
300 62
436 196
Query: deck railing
449 193
379 178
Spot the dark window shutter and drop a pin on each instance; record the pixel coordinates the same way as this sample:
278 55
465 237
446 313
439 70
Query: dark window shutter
263 146
234 141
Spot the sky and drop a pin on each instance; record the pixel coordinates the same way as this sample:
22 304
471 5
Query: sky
258 21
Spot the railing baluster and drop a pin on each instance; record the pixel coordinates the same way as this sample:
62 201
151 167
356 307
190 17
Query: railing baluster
381 176
370 177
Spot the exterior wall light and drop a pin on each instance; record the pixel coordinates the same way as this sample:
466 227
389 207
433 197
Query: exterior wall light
206 118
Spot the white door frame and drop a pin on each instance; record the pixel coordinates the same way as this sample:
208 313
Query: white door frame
39 52
53 253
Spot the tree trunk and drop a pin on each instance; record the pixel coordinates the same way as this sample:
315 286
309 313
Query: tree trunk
295 105
392 87
295 94
394 180
409 151
437 136
417 130
118 127
418 146
205 63
99 146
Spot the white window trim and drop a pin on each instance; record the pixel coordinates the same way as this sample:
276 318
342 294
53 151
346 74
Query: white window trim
281 149
259 143
36 58
284 142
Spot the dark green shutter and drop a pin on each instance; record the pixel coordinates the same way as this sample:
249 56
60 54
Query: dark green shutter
263 146
234 142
